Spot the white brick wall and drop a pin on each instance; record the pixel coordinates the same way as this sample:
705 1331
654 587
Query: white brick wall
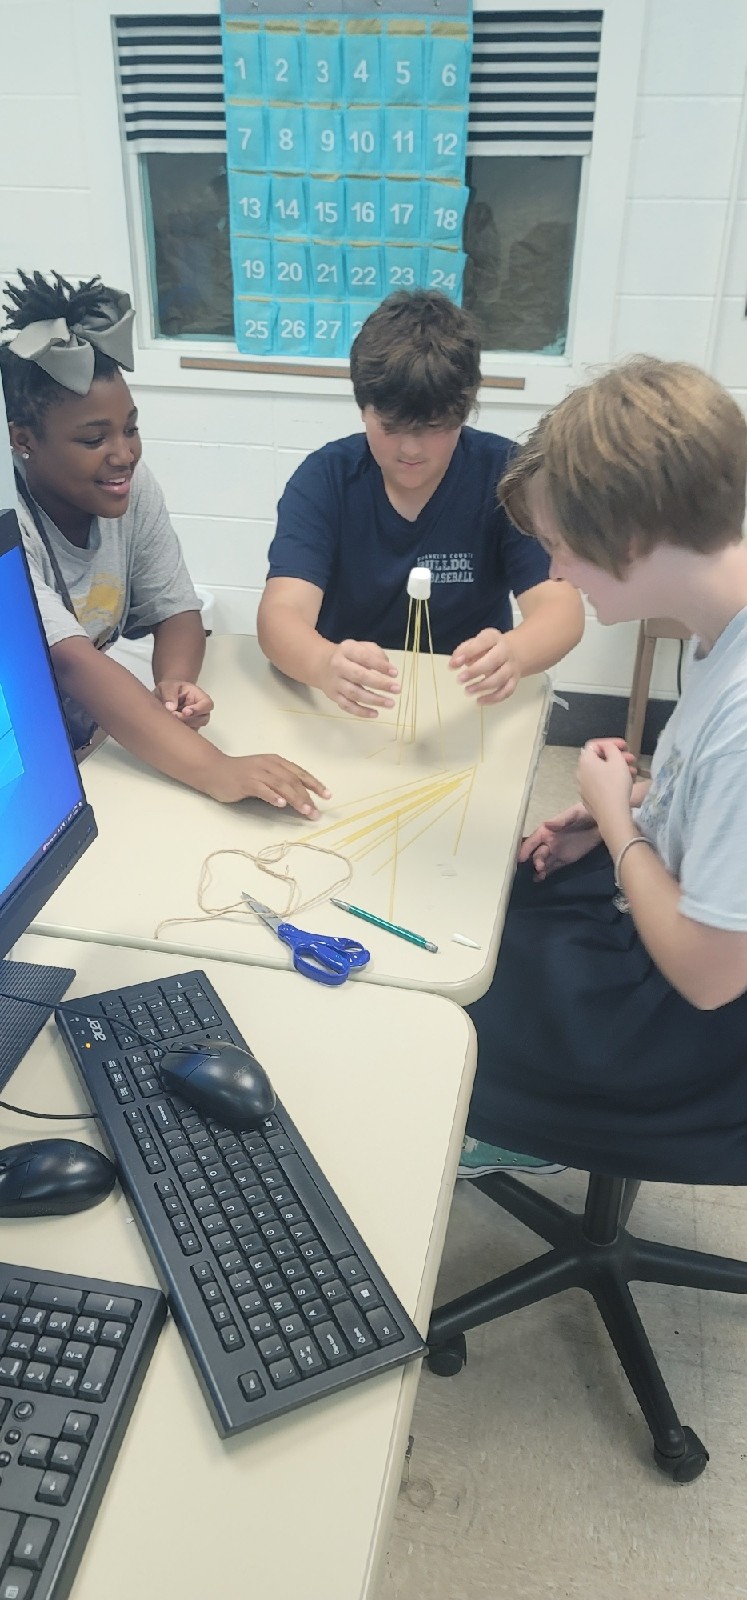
223 452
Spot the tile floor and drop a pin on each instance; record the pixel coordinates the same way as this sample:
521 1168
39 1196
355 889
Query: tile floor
531 1475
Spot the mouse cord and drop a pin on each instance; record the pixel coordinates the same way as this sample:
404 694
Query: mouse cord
74 1011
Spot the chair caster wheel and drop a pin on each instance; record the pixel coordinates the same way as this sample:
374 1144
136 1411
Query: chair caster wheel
687 1466
448 1359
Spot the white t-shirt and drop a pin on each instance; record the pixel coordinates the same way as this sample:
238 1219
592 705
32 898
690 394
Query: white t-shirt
695 812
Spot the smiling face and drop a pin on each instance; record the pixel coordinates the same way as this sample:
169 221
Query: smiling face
412 460
81 465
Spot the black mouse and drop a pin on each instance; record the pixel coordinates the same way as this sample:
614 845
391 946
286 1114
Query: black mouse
222 1081
52 1177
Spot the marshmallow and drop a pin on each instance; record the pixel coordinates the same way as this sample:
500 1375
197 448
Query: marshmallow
419 583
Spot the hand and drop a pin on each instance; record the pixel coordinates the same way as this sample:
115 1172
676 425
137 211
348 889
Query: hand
186 701
605 773
270 778
487 666
360 678
560 840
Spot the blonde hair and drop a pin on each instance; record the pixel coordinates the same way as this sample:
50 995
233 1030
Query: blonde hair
651 452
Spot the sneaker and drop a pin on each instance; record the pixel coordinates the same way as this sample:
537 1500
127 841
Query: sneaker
478 1159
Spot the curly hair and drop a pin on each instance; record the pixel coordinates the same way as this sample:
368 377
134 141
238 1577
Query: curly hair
29 392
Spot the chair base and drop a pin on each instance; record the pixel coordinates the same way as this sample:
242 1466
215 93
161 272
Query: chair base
593 1251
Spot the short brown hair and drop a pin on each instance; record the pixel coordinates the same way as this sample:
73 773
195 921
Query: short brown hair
651 452
416 360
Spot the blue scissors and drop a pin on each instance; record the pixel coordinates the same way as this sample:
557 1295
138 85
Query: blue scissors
316 955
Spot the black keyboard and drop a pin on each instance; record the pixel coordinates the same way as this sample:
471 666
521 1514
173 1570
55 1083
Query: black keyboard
74 1354
273 1290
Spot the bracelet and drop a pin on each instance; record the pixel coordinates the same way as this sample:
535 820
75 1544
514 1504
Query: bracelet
638 838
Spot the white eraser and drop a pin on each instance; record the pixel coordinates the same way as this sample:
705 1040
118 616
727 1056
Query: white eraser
419 583
461 938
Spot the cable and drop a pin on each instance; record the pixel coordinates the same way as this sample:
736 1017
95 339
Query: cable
71 1116
679 669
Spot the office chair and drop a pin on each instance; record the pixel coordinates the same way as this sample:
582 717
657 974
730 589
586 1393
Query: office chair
593 1251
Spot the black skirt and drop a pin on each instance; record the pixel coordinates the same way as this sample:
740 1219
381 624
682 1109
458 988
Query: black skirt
587 1055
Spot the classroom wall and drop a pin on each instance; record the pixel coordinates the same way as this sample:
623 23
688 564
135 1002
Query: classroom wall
224 454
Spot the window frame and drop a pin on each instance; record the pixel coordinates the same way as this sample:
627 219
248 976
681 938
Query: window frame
117 203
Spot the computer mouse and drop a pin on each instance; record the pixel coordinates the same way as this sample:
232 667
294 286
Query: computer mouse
223 1081
52 1177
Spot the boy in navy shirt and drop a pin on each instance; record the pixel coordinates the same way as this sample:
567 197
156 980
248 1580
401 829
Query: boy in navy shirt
418 488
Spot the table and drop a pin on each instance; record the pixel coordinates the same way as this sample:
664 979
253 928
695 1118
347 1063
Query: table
301 1506
155 834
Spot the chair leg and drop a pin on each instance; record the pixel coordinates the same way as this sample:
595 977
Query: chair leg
628 1335
543 1216
691 1269
644 662
630 1192
525 1286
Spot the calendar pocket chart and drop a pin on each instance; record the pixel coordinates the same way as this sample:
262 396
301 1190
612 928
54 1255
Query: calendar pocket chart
346 133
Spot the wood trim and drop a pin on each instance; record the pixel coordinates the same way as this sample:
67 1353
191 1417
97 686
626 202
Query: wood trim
295 369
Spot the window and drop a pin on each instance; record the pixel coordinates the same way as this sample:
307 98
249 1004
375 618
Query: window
532 107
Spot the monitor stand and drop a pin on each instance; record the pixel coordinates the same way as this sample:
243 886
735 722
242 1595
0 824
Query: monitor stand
20 1022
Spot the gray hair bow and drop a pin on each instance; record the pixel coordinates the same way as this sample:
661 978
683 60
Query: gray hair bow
67 354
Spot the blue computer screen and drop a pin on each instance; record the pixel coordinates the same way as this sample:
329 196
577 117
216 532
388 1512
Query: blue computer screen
39 784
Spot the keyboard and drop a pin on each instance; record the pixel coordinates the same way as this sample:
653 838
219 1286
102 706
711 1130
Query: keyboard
276 1295
74 1354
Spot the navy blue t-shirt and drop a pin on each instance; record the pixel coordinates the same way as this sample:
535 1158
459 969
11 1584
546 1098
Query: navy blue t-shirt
338 530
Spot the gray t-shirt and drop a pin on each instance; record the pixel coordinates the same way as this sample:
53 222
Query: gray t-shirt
695 812
130 576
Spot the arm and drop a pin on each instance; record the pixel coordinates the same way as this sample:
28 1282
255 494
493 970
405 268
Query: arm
493 663
706 965
125 709
178 654
356 675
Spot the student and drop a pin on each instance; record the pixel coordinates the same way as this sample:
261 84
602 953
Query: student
417 488
103 555
615 1029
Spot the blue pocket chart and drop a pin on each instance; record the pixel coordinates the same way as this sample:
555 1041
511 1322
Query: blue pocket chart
403 267
322 61
448 67
245 134
328 330
255 325
365 271
282 64
363 140
356 313
444 212
326 208
361 63
403 64
444 270
249 195
242 64
445 144
288 214
403 208
347 140
286 145
327 269
325 151
290 267
293 327
252 266
363 208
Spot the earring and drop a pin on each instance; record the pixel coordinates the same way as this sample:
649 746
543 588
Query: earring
25 455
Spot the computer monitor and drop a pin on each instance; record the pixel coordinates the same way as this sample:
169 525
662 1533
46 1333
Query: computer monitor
45 820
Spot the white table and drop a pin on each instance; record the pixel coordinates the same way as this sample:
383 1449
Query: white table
154 835
379 1084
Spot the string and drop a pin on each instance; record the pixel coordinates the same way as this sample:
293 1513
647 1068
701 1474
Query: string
266 860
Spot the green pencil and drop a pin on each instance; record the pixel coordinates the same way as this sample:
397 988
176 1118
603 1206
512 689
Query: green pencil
389 927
